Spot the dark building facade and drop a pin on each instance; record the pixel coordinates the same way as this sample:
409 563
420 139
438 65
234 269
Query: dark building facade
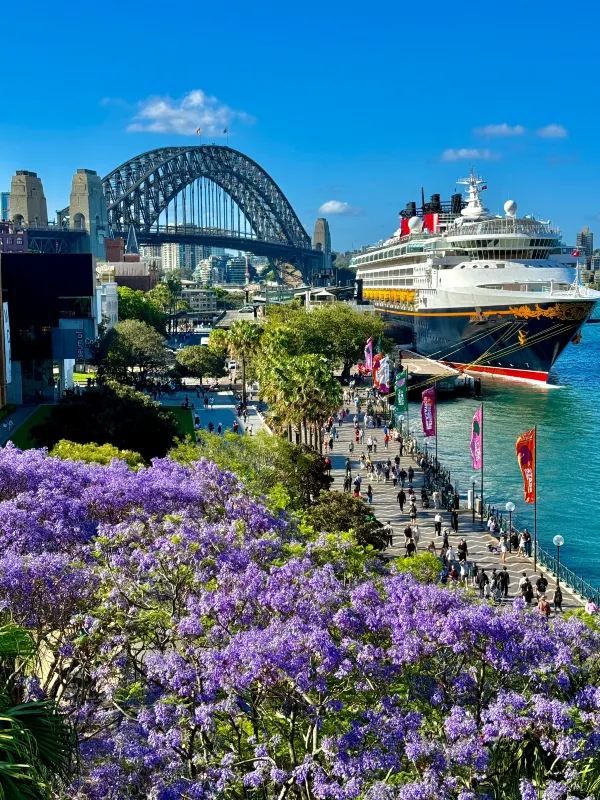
49 304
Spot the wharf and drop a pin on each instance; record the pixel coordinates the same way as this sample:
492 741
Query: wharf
386 510
423 372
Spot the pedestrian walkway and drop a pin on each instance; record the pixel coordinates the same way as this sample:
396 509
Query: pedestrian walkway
386 509
221 409
13 421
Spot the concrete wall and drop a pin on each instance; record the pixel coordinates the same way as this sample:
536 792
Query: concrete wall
87 208
27 203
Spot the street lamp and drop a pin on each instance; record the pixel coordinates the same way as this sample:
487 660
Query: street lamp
510 507
473 479
558 542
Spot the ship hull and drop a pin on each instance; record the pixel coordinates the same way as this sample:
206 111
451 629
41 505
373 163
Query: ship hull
516 342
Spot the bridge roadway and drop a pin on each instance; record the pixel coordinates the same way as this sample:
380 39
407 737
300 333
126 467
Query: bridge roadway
386 509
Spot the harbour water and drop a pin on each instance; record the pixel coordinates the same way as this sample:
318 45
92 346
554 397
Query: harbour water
568 475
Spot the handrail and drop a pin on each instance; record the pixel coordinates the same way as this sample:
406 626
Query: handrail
570 578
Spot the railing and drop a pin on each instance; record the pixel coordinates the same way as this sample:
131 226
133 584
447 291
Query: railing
546 559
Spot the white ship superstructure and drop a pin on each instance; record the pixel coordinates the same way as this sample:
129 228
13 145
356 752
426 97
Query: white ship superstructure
496 294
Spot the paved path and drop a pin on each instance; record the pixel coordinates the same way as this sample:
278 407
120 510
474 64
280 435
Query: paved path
222 411
386 510
11 422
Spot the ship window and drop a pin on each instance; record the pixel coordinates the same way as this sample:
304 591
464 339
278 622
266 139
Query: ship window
462 266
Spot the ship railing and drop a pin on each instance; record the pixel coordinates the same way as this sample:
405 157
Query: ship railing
551 562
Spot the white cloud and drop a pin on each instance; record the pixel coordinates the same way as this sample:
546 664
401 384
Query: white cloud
464 153
184 116
552 131
503 129
336 207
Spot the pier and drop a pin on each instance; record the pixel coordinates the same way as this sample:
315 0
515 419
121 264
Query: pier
483 547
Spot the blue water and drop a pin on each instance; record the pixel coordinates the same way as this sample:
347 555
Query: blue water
567 416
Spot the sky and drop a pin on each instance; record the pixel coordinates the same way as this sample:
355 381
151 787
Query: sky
351 108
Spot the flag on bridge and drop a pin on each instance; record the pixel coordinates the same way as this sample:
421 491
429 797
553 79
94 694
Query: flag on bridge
401 401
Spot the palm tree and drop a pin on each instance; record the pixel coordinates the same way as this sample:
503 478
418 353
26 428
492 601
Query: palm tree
241 340
302 391
37 745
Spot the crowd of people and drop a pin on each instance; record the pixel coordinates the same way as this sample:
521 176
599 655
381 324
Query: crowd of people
367 465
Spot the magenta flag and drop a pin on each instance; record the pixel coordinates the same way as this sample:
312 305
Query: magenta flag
369 354
428 412
477 439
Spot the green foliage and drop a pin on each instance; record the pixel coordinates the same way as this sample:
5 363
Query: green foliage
131 352
337 512
138 305
229 300
285 474
335 330
111 413
591 620
242 341
199 361
95 453
424 567
37 744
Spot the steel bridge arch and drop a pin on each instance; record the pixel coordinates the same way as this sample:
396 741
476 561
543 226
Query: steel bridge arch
139 191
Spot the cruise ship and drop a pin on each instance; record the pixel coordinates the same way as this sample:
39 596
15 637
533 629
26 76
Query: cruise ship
490 294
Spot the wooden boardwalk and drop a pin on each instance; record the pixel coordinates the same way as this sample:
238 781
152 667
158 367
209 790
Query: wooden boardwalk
386 509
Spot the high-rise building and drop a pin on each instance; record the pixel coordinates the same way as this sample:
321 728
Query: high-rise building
210 270
181 256
585 243
4 200
237 269
322 241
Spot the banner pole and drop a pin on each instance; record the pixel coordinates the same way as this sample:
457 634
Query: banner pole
535 455
406 403
436 425
482 434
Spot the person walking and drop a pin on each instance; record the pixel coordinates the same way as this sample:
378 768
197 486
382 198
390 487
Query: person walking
347 483
369 444
527 542
369 494
540 586
437 524
543 606
411 474
527 590
394 476
436 499
454 520
348 467
412 512
402 475
483 583
411 548
558 599
463 550
401 498
503 547
504 581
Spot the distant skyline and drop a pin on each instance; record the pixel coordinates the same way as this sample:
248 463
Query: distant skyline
350 112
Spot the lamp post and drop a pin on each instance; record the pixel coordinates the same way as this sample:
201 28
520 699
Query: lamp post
558 541
510 507
473 479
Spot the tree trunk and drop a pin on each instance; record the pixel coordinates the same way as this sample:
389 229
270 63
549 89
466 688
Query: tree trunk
243 360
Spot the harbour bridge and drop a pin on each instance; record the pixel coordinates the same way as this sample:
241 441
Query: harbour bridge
207 195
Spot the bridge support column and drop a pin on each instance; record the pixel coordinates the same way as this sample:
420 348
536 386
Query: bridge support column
27 204
88 209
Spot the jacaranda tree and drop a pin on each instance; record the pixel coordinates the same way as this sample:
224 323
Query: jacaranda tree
205 648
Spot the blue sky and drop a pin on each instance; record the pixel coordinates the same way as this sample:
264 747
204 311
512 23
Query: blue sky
354 103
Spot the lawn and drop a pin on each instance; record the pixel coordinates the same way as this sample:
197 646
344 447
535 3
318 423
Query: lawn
22 438
184 420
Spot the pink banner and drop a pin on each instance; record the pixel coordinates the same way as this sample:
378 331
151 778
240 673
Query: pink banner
477 439
369 354
428 412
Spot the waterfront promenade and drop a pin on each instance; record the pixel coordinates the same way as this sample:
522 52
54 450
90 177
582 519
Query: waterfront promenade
386 509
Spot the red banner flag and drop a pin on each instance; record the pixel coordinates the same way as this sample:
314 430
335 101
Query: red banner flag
526 458
428 412
477 439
